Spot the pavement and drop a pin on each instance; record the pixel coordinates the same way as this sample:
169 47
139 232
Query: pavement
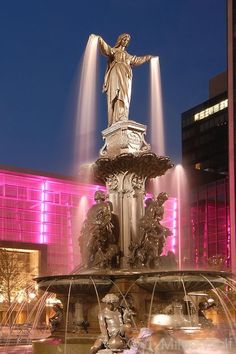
17 340
19 349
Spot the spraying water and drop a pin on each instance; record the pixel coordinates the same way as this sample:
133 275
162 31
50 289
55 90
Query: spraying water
176 185
81 215
180 183
86 105
157 125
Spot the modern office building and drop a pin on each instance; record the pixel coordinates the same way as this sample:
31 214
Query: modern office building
205 158
205 132
231 13
208 140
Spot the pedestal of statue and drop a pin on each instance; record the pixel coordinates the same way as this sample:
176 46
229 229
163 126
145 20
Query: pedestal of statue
124 137
125 163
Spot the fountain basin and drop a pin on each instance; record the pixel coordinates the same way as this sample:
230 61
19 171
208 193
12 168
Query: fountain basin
78 284
148 165
171 281
182 281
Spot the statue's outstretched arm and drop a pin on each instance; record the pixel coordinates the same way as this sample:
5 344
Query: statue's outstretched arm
140 60
104 47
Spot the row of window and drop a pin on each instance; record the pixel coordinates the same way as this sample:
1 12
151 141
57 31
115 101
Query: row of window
211 110
218 121
189 119
22 193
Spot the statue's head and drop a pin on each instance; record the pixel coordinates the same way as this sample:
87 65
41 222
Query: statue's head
162 197
110 299
123 40
99 196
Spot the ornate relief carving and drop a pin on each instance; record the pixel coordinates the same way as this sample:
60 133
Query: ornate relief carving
124 142
112 182
137 182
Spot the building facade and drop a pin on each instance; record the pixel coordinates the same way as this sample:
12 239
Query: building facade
205 158
41 215
205 134
231 14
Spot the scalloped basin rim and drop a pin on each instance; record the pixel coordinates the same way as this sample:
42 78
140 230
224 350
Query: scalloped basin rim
86 281
182 282
126 273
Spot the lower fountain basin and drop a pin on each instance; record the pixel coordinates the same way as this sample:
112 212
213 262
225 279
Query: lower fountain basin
183 281
171 281
78 284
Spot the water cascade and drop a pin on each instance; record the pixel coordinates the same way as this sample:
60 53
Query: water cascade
176 185
86 106
157 118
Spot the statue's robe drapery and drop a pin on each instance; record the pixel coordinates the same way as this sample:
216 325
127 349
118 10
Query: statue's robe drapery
118 80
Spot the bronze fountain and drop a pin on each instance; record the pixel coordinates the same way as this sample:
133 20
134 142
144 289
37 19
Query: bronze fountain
124 279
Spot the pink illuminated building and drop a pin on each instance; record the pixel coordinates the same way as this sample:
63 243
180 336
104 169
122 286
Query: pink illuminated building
210 223
44 213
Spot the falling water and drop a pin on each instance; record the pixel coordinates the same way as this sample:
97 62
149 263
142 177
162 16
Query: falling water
67 315
157 124
96 292
185 294
123 297
80 217
229 316
151 303
176 185
86 105
181 187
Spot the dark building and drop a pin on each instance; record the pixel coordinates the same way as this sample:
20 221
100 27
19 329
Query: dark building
205 133
231 14
205 158
209 156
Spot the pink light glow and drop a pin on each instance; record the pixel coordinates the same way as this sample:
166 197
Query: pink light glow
210 228
181 186
170 221
43 210
48 210
173 238
43 216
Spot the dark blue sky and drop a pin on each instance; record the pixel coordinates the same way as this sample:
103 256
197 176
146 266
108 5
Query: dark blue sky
42 42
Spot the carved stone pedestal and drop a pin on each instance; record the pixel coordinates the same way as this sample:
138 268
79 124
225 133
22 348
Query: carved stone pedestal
125 176
124 137
125 164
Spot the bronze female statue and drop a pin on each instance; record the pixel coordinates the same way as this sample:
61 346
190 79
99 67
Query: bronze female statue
118 77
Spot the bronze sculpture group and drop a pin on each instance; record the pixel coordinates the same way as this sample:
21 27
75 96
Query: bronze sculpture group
146 251
99 239
99 235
